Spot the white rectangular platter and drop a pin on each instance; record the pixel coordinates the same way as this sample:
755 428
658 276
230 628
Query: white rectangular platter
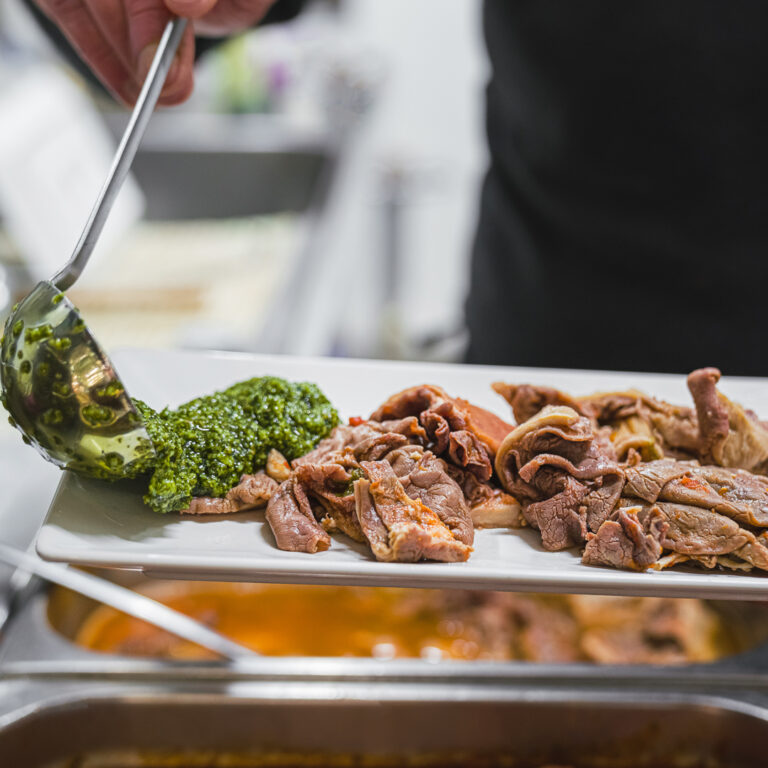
98 524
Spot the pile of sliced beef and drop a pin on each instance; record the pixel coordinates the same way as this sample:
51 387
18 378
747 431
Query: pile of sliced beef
412 482
639 483
635 482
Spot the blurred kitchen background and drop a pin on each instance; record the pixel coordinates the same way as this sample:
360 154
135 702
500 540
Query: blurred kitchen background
316 196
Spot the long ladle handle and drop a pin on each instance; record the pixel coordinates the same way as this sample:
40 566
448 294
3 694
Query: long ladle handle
127 601
145 104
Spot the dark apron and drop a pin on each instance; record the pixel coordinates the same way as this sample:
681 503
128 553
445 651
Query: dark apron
624 218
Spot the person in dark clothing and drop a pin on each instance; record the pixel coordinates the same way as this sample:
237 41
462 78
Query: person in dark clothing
624 218
623 221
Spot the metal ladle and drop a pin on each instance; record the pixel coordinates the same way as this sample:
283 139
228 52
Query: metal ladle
59 386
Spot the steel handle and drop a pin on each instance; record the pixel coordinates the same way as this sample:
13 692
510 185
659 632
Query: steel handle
145 105
127 601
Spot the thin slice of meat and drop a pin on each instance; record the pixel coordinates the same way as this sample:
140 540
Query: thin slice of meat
647 480
252 492
397 527
331 484
735 493
696 531
718 431
561 518
466 450
600 502
489 505
292 521
410 402
487 427
423 400
556 430
729 435
638 422
424 478
563 473
627 542
369 440
652 427
527 400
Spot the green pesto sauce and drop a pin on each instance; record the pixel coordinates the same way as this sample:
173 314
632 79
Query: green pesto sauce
204 446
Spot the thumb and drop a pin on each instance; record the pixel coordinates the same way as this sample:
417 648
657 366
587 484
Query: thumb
146 21
190 9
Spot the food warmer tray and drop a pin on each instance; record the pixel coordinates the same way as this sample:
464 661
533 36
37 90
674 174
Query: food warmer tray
30 646
47 723
81 700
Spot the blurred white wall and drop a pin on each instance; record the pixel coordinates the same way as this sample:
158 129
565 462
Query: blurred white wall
429 119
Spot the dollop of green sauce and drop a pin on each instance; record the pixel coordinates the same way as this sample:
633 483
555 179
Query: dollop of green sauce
206 445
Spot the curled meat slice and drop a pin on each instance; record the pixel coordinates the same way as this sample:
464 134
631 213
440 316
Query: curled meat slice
397 527
729 435
563 473
427 399
527 400
732 492
489 505
424 478
252 492
331 484
292 521
535 459
627 542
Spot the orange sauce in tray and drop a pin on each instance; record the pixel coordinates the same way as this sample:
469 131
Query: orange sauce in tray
289 620
282 620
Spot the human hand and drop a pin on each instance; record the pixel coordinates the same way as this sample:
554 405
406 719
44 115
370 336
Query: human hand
118 38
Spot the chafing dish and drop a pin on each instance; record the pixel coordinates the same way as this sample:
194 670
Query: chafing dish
236 721
60 702
32 646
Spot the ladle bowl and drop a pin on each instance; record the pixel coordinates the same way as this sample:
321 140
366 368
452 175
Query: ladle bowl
64 394
59 387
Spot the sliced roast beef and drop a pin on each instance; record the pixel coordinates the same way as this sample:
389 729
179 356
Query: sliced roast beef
527 400
331 484
694 534
729 435
696 531
424 478
398 527
561 518
425 402
292 520
565 477
252 492
735 493
646 480
393 448
718 431
489 505
574 492
627 541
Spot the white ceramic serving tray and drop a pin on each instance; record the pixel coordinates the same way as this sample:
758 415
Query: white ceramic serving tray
98 524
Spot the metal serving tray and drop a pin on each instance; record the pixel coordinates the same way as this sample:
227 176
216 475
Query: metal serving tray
31 646
49 725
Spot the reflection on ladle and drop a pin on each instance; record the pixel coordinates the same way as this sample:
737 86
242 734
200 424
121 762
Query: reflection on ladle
59 386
